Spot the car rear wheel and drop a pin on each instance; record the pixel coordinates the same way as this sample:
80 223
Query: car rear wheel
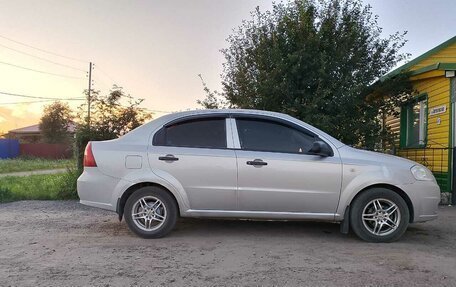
379 215
150 212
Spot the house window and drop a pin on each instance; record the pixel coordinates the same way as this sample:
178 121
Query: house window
414 123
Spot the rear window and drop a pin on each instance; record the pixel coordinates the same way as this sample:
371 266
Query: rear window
202 133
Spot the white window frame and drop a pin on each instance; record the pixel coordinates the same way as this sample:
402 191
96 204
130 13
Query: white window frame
422 123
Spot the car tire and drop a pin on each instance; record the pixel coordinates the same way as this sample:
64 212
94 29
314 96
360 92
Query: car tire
379 215
151 212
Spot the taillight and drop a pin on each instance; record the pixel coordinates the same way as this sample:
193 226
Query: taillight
89 159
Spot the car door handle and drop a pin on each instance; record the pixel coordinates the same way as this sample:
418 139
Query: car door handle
257 162
168 157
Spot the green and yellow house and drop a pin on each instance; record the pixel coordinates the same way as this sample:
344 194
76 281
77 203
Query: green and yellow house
427 123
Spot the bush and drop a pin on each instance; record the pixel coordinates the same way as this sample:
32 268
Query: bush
33 163
83 136
6 194
59 186
67 184
109 119
32 187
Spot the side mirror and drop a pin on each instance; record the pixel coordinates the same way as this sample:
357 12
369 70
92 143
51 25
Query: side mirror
321 148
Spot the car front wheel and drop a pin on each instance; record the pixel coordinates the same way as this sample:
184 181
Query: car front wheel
150 212
379 215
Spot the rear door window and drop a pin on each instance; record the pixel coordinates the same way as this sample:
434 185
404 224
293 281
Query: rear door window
200 133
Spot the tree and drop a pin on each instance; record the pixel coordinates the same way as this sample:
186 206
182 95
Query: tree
213 99
109 118
315 60
54 123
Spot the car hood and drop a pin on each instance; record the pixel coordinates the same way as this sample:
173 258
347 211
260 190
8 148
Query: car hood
352 155
384 167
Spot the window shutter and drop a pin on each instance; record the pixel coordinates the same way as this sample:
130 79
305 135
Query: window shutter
403 127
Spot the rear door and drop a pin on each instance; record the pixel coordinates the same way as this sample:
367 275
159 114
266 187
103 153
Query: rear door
195 153
277 174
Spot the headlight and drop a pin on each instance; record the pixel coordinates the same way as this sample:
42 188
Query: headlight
421 173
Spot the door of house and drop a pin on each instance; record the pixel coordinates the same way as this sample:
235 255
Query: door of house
453 142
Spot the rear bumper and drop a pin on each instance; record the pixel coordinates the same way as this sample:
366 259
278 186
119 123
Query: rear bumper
96 189
425 197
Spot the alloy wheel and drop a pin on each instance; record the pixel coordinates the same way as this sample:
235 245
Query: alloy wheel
148 213
381 216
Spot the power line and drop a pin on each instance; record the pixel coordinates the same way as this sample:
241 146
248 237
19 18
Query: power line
34 102
39 71
89 90
126 95
106 74
42 50
31 102
98 82
114 82
159 111
43 59
36 97
46 99
40 101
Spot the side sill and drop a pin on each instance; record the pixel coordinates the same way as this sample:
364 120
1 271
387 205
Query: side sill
106 206
259 215
423 218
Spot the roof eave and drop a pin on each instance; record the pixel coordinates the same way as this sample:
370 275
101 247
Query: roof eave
407 66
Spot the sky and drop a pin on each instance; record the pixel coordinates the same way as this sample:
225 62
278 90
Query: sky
154 49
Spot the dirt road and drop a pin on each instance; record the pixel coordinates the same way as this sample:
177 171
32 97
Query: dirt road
64 243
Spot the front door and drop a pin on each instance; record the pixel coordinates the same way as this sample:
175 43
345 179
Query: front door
453 143
277 174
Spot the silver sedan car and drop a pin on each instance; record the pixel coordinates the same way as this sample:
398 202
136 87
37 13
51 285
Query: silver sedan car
251 164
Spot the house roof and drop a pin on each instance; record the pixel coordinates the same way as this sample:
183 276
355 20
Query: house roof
34 129
436 66
27 130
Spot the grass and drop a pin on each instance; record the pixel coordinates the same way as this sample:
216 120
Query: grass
39 187
24 164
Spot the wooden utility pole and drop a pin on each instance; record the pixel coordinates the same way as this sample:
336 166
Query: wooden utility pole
88 94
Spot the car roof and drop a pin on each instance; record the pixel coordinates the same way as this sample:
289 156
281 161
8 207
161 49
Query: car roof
163 120
225 111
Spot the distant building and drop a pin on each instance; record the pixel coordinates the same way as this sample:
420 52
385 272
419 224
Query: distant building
31 134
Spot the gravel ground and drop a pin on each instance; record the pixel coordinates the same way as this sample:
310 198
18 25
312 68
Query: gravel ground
62 243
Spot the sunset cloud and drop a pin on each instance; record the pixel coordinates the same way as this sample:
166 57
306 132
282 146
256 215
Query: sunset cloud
17 118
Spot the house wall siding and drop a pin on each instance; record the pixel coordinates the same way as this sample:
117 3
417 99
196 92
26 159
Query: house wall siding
446 55
435 155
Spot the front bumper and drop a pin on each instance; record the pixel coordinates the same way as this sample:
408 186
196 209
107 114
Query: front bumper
425 197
